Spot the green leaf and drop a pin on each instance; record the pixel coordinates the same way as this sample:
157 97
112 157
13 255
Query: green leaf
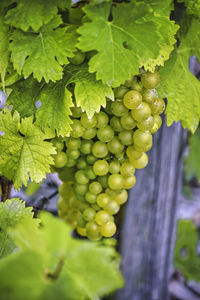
192 161
55 109
24 96
4 46
12 212
23 151
185 256
33 13
193 7
43 53
123 45
179 85
59 266
90 93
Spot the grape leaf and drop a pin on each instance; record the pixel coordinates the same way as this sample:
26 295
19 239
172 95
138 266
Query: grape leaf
33 13
55 109
193 7
24 96
182 91
59 267
43 53
122 45
90 94
12 212
4 45
192 161
23 151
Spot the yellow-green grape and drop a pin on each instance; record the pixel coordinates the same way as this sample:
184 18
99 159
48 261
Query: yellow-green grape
147 124
115 181
105 134
112 193
91 159
130 82
142 139
118 108
149 96
73 143
81 189
141 162
62 204
95 187
58 144
76 112
99 149
120 91
77 129
108 229
126 137
81 231
103 199
115 146
127 122
132 99
121 197
60 159
150 80
116 124
157 123
81 222
88 122
137 86
95 207
93 231
102 217
80 177
114 167
90 197
81 163
158 106
112 207
86 146
101 167
90 173
129 182
78 58
103 180
89 214
89 133
132 153
142 112
127 169
102 119
73 154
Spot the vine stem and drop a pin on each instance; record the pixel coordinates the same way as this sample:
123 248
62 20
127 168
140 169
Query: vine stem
6 185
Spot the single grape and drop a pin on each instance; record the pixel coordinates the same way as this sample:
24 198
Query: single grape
126 137
73 143
112 207
101 167
70 162
150 80
122 197
88 122
158 106
73 154
114 167
90 197
99 149
89 133
127 169
108 229
132 99
103 199
116 124
132 153
81 163
81 221
118 108
60 159
89 214
137 86
120 91
102 217
77 129
76 112
78 58
81 189
142 139
130 82
81 231
115 181
58 144
128 122
95 207
115 146
141 162
142 112
147 124
129 182
103 180
90 173
86 146
91 159
157 123
95 187
66 173
149 96
81 177
105 134
102 119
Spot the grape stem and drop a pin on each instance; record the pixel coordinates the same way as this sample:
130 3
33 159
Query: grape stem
54 275
6 185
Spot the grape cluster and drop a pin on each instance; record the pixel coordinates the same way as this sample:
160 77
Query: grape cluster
98 160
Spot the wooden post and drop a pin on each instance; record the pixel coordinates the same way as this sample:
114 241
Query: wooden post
149 223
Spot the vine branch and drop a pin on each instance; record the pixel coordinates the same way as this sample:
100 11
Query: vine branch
6 185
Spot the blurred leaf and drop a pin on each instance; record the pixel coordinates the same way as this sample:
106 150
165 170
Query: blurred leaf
192 161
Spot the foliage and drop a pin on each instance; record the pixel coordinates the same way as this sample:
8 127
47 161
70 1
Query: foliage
185 255
192 161
48 263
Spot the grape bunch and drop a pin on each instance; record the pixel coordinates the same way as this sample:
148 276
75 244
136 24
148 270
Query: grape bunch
97 161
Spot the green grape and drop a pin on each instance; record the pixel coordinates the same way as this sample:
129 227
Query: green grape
78 58
147 124
132 99
103 199
115 181
73 154
81 177
80 189
62 203
142 139
76 112
115 146
89 214
58 144
89 133
102 119
126 137
127 169
116 124
122 197
108 229
120 156
88 122
91 159
111 192
77 129
81 222
118 109
94 237
84 205
66 173
150 80
105 134
129 83
103 180
114 167
158 106
86 146
128 122
129 182
102 217
99 149
141 162
90 173
95 207
101 167
81 198
71 162
120 91
81 231
150 96
137 86
157 123
81 163
90 197
60 159
95 187
92 230
112 207
132 153
73 143
142 112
